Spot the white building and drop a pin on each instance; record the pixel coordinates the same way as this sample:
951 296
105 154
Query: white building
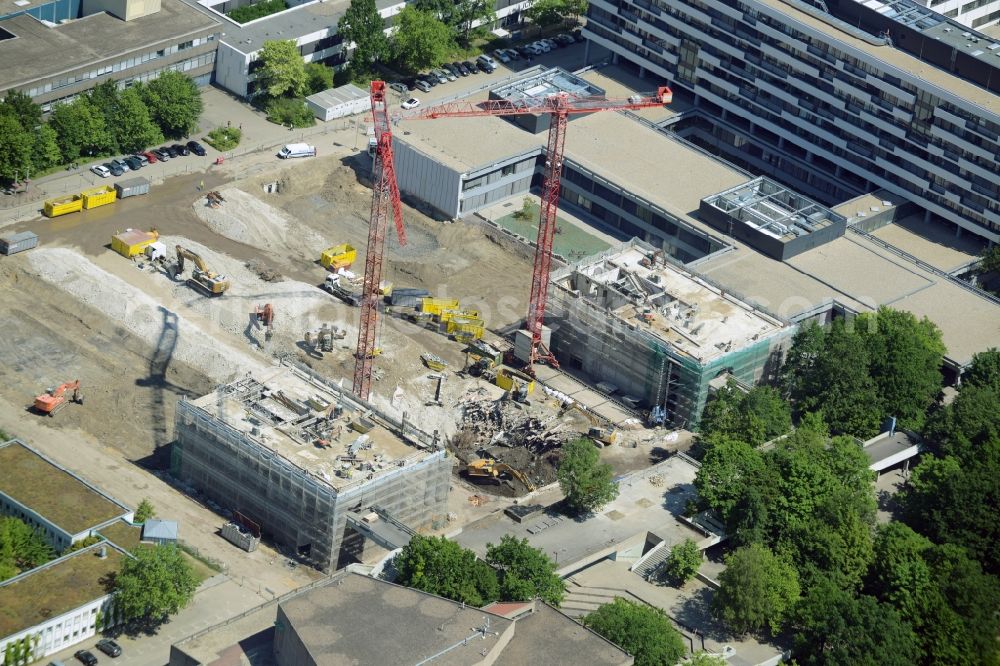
976 14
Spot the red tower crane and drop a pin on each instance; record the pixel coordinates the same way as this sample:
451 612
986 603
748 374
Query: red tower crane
559 107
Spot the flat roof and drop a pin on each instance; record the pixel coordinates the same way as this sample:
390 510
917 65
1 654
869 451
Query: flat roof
773 210
547 637
333 97
289 415
57 588
361 620
123 534
40 52
935 76
670 303
51 491
885 445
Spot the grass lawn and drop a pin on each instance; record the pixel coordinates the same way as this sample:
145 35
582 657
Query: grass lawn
570 241
201 570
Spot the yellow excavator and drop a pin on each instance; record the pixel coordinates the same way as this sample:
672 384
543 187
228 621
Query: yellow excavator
201 278
491 470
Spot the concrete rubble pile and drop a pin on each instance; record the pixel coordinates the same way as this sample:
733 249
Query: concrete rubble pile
504 423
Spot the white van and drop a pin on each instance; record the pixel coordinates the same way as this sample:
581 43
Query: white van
297 150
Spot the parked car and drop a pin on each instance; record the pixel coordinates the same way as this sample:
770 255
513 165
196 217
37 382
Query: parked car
541 46
442 76
486 63
101 170
122 164
143 160
431 79
151 156
196 148
169 150
422 85
501 55
181 149
133 162
460 68
471 66
109 647
86 657
451 67
512 54
399 87
411 103
113 168
564 39
578 35
552 44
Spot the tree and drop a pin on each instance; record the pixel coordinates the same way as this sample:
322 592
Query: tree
460 14
319 77
440 566
756 590
16 147
683 562
900 575
754 417
282 72
144 511
174 102
134 129
80 129
153 584
984 370
991 259
905 356
553 12
727 470
362 26
587 483
524 572
832 627
962 428
22 108
21 547
289 112
702 658
643 631
257 10
45 152
421 40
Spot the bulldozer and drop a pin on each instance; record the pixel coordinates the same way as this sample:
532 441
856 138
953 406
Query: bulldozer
487 469
202 279
54 399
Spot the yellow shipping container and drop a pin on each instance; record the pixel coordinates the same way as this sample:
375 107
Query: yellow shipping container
467 327
98 196
338 256
132 242
436 306
69 203
448 315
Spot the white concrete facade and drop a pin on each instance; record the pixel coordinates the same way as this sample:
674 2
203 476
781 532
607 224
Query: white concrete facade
62 631
977 14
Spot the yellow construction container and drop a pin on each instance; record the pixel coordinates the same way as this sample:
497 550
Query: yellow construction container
338 256
466 327
507 379
448 315
98 196
436 306
63 205
133 242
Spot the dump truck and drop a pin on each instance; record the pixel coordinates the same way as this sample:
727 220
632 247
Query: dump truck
487 469
202 279
337 286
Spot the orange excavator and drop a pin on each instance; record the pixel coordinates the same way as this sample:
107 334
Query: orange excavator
265 315
54 399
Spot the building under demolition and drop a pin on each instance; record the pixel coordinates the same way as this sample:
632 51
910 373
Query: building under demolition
308 466
657 334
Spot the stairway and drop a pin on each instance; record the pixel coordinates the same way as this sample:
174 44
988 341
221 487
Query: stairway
650 567
582 599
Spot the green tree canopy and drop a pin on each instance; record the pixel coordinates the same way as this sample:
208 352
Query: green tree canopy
832 627
421 40
459 15
21 547
319 77
21 107
362 26
130 121
643 631
16 148
965 426
524 572
174 102
991 259
984 370
81 129
587 483
282 72
154 584
728 469
754 417
683 562
552 12
440 566
756 590
45 152
144 511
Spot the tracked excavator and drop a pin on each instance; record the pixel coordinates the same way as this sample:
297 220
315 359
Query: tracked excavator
487 469
53 400
202 279
265 315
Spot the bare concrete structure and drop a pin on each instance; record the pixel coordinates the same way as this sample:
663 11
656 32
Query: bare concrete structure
303 460
657 332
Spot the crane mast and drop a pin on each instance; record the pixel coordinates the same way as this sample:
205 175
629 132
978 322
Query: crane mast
385 202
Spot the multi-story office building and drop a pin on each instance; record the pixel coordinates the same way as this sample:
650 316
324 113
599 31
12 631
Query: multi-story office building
54 51
977 14
907 102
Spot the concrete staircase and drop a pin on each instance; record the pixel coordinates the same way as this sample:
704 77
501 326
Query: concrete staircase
582 599
650 565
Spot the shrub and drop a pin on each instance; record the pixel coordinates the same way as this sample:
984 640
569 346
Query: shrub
257 10
292 112
224 138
